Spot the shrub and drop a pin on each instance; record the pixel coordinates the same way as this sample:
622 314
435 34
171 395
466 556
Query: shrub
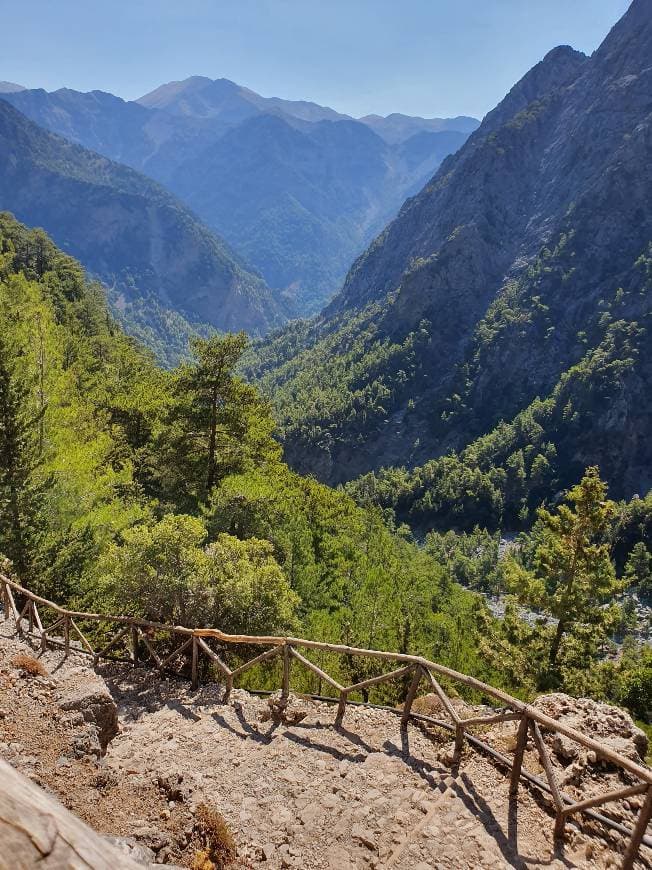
219 846
28 665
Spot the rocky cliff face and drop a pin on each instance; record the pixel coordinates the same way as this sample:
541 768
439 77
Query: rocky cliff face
296 188
507 259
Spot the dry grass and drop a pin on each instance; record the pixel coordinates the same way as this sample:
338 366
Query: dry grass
28 665
219 849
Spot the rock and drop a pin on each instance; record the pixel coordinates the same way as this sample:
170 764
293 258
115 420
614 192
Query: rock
611 726
133 849
97 708
364 836
565 748
173 787
338 859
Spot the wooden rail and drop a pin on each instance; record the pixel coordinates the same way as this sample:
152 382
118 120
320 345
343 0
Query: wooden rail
135 632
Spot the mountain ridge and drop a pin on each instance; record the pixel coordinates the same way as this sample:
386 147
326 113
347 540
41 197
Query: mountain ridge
136 237
491 283
193 137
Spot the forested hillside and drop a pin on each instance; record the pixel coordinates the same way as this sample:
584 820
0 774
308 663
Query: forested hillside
131 488
165 270
495 337
297 189
115 473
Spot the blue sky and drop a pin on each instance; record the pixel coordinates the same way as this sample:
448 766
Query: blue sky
425 57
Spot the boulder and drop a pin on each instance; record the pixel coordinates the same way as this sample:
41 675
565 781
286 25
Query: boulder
609 725
98 708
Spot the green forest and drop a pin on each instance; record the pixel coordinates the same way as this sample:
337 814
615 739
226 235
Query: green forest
127 487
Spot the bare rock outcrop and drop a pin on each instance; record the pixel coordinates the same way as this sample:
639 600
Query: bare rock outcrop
96 707
612 726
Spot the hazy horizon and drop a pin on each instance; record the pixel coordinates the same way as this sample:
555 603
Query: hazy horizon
434 59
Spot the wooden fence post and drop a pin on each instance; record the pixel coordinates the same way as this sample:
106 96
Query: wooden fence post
287 658
194 675
521 740
134 645
411 695
639 831
66 634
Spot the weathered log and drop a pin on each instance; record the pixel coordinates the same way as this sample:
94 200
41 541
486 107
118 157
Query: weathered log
443 697
177 652
133 630
381 678
491 720
194 674
411 695
80 634
37 831
214 657
155 656
109 646
638 832
287 659
607 797
560 818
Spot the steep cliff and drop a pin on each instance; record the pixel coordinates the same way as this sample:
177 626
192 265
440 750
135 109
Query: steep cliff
493 281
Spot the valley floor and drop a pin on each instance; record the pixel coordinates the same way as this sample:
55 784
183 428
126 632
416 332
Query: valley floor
296 794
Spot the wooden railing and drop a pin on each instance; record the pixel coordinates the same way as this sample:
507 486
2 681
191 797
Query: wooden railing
132 632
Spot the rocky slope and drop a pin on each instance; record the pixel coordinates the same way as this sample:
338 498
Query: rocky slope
498 277
296 188
126 230
295 790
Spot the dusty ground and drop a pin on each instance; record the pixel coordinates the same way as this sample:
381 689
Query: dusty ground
305 795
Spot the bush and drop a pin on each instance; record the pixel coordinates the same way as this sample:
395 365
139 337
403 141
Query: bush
28 665
219 846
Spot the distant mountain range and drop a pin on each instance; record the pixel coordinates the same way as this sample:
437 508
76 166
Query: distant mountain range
10 88
506 312
165 271
295 188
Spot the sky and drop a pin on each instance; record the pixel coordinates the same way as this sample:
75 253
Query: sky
436 58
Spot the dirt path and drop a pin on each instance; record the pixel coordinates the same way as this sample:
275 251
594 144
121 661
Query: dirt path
310 795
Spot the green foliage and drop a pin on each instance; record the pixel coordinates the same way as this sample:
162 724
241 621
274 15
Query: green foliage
566 569
324 388
470 559
164 494
638 570
215 424
500 478
164 573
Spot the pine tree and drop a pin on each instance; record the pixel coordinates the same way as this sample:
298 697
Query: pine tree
217 422
638 570
19 495
570 574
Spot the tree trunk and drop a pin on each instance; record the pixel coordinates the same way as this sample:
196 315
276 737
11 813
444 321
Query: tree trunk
554 649
210 476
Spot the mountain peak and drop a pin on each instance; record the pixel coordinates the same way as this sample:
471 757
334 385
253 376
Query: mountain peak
11 88
558 68
627 48
166 93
